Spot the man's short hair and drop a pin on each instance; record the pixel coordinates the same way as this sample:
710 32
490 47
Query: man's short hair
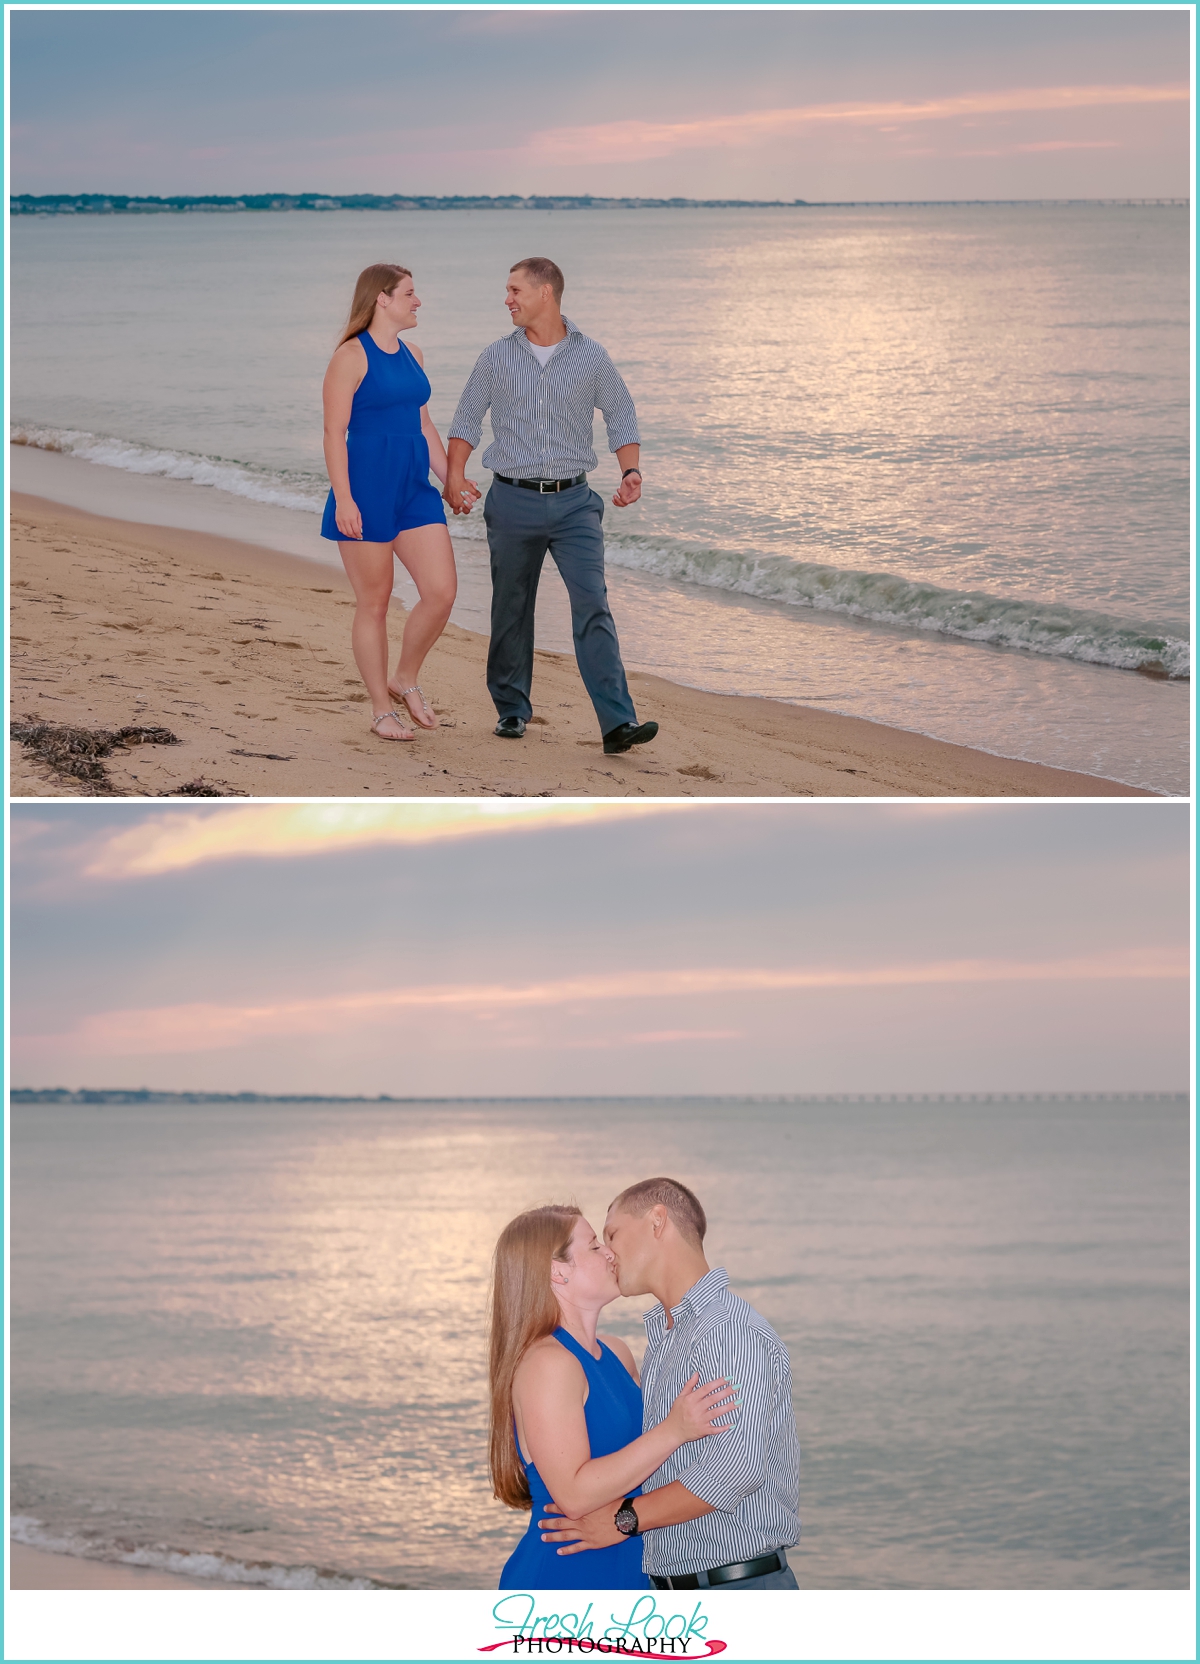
542 271
682 1207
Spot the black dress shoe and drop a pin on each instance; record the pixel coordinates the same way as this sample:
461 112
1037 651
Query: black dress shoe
510 728
629 733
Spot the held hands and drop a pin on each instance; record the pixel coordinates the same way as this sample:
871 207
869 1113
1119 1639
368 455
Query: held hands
461 494
698 1410
629 490
595 1530
348 519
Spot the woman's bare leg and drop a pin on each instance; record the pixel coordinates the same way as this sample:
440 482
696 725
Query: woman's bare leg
370 568
428 556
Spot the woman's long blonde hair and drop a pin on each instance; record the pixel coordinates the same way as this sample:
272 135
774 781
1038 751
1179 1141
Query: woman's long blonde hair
375 281
523 1310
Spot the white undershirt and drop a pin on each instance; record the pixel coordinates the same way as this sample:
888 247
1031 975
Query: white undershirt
542 354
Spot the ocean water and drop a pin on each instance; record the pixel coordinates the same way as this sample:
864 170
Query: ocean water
928 466
248 1340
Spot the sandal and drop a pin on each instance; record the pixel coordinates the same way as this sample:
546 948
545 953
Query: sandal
403 693
406 732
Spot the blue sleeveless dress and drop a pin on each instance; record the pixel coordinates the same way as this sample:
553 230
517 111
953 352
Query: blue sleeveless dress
388 455
614 1419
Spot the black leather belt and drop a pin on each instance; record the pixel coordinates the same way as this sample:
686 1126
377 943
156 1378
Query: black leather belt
543 486
736 1573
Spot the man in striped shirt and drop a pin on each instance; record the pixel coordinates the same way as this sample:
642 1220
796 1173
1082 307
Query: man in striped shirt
543 385
722 1511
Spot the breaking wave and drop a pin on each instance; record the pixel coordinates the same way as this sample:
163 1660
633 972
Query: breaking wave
887 598
219 1568
283 488
1049 628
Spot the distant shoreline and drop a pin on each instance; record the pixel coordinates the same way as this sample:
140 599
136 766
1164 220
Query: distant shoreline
144 1095
81 202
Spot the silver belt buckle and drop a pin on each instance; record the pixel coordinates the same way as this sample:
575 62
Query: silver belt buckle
545 486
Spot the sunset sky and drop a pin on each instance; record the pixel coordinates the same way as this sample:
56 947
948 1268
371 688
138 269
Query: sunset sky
555 947
823 104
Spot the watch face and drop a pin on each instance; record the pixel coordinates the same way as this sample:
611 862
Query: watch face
626 1520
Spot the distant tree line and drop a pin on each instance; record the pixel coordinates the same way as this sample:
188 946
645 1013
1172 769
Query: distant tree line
309 201
147 1095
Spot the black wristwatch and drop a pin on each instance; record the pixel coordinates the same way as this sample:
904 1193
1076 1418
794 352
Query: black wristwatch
626 1520
629 471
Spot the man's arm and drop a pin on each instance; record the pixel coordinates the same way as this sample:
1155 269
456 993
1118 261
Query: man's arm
672 1505
615 404
734 1466
464 433
630 488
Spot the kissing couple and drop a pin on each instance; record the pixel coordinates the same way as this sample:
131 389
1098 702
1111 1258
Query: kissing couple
687 1478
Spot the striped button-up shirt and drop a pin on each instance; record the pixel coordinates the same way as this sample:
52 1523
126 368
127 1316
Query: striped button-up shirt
749 1474
542 418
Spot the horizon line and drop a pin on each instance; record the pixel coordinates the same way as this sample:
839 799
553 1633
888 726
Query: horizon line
93 1094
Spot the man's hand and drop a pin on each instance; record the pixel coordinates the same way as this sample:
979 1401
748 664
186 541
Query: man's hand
595 1530
629 490
461 493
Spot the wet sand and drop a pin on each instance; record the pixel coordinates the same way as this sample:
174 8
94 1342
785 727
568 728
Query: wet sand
34 1568
244 654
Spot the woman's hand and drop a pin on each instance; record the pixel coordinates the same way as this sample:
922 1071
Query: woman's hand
348 519
461 494
696 1411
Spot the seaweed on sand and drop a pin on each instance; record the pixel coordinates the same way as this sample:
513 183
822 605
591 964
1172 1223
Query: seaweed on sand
76 753
200 787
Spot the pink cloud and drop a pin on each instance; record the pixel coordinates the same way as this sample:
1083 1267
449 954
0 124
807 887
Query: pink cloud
1045 144
661 1037
172 842
202 1026
630 141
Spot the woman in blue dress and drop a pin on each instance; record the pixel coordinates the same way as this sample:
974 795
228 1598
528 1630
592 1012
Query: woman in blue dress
380 444
566 1402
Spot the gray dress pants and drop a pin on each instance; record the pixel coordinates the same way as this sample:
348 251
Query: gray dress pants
523 526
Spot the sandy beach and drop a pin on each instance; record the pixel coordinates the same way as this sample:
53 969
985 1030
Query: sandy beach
34 1568
243 654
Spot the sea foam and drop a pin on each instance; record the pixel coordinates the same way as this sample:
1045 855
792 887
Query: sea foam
217 1568
888 598
1048 628
283 489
